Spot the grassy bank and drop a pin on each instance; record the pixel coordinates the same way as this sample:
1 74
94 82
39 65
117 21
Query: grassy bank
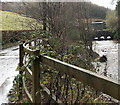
14 21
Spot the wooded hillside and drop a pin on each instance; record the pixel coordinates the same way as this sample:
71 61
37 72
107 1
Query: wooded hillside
95 11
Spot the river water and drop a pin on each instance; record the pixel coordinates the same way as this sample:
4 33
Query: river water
8 63
110 50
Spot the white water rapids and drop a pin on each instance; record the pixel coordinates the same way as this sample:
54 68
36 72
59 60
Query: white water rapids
8 64
111 51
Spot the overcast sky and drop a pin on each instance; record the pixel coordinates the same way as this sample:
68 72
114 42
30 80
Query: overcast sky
105 3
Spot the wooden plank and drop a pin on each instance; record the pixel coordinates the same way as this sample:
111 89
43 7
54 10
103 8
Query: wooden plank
21 54
26 91
46 92
101 83
28 72
36 80
31 52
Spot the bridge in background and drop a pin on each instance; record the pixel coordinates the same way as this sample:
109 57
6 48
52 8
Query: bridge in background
103 35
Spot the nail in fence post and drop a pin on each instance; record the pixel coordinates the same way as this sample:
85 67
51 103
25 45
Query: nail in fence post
36 79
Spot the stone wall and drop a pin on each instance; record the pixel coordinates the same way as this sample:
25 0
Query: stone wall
13 36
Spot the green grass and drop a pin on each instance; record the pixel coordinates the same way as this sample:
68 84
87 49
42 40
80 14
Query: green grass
14 21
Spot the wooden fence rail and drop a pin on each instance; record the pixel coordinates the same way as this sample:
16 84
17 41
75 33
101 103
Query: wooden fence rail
87 77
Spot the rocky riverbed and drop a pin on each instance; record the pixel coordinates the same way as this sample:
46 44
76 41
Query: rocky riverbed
110 49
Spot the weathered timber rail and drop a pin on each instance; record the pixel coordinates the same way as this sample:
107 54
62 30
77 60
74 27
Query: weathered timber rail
87 77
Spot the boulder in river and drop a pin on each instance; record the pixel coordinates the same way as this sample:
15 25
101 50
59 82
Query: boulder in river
103 58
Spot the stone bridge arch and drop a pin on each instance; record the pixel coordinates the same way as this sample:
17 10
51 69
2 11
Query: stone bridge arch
103 35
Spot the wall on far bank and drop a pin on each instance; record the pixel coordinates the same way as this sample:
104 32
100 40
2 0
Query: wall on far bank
13 36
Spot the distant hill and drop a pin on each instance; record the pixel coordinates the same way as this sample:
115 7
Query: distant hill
10 6
14 21
95 11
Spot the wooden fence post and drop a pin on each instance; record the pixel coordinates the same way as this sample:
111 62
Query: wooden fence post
21 54
36 79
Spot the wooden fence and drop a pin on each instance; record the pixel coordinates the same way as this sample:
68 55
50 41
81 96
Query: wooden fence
101 83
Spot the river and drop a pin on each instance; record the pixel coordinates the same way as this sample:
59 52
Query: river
110 50
8 63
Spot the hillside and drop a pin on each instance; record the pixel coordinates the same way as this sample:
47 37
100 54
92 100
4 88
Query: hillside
14 21
94 10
